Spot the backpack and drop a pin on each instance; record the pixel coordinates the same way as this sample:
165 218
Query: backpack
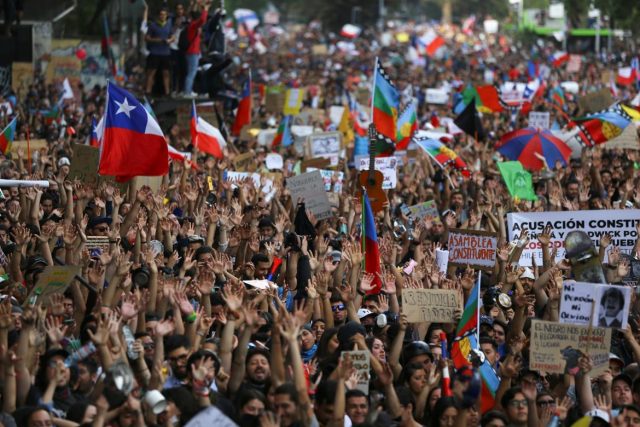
183 39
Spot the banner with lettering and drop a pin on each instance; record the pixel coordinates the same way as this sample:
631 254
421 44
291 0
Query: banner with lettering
620 224
472 247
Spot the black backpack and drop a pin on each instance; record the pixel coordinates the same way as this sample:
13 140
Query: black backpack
183 39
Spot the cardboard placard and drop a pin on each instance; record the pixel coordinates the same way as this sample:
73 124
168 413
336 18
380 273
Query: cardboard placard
608 303
539 120
310 187
425 210
386 165
34 145
97 242
53 280
242 162
21 77
319 49
293 101
430 305
84 165
327 145
363 95
620 224
556 348
274 102
472 247
314 164
595 101
362 365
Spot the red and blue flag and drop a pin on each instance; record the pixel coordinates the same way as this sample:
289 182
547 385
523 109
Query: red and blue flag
132 141
370 245
243 114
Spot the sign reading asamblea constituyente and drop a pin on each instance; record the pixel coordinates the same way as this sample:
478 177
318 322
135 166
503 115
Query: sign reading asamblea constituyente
472 247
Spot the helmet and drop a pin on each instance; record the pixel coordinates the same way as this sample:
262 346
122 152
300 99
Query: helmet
416 348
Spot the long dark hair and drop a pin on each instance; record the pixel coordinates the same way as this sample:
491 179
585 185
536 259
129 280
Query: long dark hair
444 403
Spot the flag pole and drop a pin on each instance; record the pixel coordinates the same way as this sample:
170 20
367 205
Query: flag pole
478 312
373 86
29 150
363 229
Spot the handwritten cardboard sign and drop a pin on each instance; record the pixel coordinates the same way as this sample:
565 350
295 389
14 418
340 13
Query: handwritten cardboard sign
53 280
242 162
362 364
84 165
557 347
595 101
430 305
471 247
310 187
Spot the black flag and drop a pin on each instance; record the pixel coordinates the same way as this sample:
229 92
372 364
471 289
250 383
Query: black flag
469 121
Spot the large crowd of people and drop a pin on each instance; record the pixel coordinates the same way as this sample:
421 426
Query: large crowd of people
167 322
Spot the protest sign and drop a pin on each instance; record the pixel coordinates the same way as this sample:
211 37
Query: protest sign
293 102
472 247
362 365
97 242
595 101
34 145
363 95
274 161
556 348
261 284
386 165
84 166
331 179
424 211
210 416
620 224
53 280
319 49
21 77
574 64
310 187
612 306
335 114
430 305
576 302
326 145
313 164
539 119
442 260
242 162
265 137
61 67
519 181
437 96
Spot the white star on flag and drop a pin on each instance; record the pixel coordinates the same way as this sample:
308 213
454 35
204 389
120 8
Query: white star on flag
124 107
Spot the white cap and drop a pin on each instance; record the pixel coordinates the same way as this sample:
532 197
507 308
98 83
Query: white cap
63 161
363 312
528 274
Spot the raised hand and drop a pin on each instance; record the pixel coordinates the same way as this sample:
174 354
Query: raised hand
55 329
366 283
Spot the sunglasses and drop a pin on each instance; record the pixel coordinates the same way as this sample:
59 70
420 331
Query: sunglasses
546 403
338 307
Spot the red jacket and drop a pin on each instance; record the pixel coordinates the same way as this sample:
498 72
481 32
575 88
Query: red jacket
193 33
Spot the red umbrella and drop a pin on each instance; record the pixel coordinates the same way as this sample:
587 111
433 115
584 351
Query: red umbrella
524 144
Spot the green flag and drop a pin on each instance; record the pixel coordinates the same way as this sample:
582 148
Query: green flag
518 180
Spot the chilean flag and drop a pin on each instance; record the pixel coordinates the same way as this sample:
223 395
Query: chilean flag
350 31
559 57
370 243
626 76
243 114
180 156
132 141
206 137
430 42
93 139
